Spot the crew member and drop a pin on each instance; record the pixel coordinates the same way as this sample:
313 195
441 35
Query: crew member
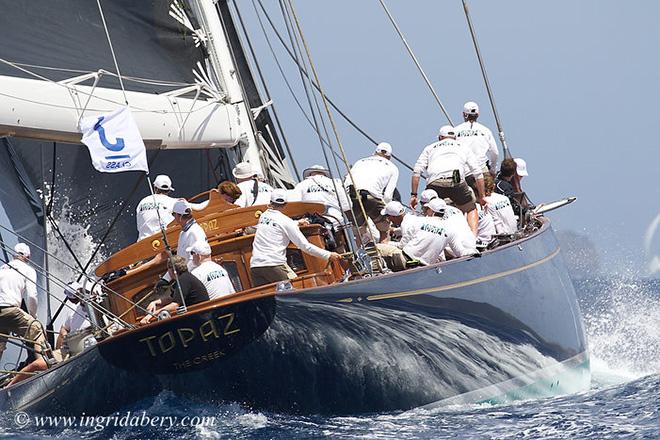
428 244
17 282
477 138
274 233
151 207
457 227
191 231
446 164
375 181
78 319
486 224
253 190
318 187
504 184
408 224
229 192
499 207
188 285
214 277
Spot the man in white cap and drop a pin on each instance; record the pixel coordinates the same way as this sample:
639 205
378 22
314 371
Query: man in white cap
375 181
214 277
318 187
275 231
507 183
191 231
253 190
446 164
409 225
477 138
148 211
17 282
78 319
457 225
428 244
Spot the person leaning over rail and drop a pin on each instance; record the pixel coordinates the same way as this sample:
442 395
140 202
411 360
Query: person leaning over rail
188 285
447 163
375 181
17 281
214 277
253 191
275 231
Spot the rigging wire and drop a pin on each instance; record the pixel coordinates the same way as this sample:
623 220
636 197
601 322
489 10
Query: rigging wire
414 58
112 50
500 129
332 104
267 92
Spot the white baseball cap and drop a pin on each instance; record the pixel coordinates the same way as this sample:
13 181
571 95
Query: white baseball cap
521 167
200 247
279 196
243 170
471 108
427 195
447 130
163 182
316 169
22 249
385 148
393 208
71 290
181 207
436 205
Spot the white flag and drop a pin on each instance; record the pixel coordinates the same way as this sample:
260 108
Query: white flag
114 142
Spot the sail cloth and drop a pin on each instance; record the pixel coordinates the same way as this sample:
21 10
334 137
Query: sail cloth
114 142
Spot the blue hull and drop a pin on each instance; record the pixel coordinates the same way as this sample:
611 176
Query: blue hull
503 326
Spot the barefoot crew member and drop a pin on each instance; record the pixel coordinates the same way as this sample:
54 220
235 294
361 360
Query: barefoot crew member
274 233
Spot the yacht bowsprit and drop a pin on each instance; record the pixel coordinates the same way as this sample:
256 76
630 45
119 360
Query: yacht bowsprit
343 337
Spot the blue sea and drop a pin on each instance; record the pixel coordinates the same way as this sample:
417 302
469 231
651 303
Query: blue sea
622 317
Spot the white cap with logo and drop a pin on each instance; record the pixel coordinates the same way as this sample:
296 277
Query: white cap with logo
471 108
436 205
447 131
393 208
384 148
163 182
279 196
181 207
201 247
22 249
521 167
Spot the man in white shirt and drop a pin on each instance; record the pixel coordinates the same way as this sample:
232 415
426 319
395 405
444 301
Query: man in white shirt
17 281
148 211
428 244
318 187
78 319
253 190
408 224
375 181
499 207
477 138
191 231
446 164
457 226
274 233
214 277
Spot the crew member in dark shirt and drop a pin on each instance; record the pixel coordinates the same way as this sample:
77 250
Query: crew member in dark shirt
192 288
504 185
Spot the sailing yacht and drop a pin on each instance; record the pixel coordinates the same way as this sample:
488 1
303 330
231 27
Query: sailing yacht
337 338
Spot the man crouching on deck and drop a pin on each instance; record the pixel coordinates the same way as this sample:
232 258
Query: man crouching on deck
191 288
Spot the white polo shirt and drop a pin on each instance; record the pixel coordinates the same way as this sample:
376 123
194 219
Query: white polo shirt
215 278
409 227
77 320
321 189
499 206
440 159
486 225
274 232
190 234
479 139
376 175
16 280
247 197
430 241
146 214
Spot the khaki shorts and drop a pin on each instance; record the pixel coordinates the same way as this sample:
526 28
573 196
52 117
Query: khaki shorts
372 207
460 194
269 274
15 320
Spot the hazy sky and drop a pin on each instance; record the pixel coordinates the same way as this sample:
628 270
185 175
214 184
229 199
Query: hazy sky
575 82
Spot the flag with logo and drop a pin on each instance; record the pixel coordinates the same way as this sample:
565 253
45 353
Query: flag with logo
114 142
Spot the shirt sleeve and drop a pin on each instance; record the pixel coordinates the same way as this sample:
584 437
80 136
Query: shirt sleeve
458 247
298 238
473 168
391 184
492 154
422 162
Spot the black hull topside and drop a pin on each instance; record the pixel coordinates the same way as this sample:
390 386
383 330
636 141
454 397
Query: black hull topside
500 327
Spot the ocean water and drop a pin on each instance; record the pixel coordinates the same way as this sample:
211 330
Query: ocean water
622 317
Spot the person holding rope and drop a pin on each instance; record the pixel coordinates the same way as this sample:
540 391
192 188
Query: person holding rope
318 187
